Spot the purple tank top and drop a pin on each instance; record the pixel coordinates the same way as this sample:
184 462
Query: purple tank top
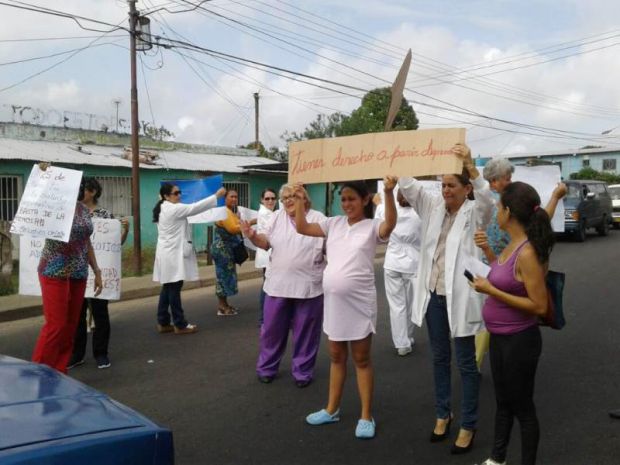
499 317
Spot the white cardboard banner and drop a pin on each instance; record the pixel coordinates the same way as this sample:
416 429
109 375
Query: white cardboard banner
247 214
210 216
106 240
544 179
48 203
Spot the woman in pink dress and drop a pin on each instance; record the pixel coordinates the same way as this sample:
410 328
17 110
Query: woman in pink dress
350 298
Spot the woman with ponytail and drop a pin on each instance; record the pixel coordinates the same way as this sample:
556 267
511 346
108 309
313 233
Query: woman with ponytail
517 298
175 259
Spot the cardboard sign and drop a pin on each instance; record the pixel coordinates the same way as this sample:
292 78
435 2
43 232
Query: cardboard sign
106 240
48 204
544 179
372 156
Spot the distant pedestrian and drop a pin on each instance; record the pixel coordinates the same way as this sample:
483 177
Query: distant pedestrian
63 271
226 237
294 291
350 316
175 258
517 299
268 202
98 307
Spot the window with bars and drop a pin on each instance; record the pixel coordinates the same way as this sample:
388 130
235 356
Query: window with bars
115 195
609 164
243 190
10 194
586 163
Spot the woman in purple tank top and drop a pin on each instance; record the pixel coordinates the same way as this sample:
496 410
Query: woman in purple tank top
517 298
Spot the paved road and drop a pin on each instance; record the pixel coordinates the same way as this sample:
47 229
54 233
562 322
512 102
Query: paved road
203 386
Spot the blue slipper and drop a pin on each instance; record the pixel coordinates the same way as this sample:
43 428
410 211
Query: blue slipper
365 429
323 418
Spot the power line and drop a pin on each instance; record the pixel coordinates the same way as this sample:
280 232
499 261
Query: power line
43 57
47 39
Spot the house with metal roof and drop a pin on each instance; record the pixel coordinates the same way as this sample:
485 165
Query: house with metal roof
108 158
603 159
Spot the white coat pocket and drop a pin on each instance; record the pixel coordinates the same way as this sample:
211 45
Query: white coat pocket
188 248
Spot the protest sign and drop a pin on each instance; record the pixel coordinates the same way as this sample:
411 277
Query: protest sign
106 240
247 214
372 156
194 190
48 204
544 179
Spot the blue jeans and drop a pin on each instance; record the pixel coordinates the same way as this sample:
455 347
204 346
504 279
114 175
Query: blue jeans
465 349
170 296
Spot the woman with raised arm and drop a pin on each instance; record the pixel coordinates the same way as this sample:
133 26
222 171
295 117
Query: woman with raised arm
350 315
517 298
442 296
63 272
268 202
175 258
294 291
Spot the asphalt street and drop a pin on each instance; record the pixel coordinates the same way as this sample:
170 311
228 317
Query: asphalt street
204 386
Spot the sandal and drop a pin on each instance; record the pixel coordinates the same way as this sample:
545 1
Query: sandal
226 311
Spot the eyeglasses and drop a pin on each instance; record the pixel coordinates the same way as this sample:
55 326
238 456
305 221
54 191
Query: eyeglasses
269 198
284 198
175 193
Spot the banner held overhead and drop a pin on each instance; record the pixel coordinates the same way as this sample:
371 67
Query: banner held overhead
374 155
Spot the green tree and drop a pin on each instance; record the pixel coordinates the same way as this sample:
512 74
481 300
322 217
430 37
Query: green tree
372 113
323 126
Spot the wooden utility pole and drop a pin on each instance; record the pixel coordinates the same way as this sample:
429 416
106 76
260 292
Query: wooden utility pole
256 139
135 143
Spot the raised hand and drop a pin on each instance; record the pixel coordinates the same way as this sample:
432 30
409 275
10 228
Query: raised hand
481 240
221 192
389 183
464 153
247 230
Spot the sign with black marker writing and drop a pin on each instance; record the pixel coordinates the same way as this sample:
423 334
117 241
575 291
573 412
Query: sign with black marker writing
48 204
106 240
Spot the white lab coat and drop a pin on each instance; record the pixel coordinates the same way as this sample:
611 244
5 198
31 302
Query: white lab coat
175 258
262 256
464 304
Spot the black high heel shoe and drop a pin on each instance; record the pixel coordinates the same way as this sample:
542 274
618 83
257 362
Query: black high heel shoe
458 450
440 437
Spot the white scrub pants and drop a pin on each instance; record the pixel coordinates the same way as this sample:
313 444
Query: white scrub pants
399 292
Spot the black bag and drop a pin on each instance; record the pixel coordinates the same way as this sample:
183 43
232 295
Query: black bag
240 253
555 289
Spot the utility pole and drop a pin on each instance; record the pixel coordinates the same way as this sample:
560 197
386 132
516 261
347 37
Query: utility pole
256 139
135 144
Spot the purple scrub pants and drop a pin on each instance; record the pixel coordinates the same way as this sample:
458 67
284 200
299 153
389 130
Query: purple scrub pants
304 317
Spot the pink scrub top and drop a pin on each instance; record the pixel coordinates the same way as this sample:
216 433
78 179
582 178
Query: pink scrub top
296 263
350 305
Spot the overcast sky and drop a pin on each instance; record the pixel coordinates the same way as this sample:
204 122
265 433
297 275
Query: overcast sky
503 44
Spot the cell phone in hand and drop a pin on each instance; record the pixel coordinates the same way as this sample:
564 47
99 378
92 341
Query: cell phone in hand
468 275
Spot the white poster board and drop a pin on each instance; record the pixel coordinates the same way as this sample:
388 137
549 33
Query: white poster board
106 240
544 179
247 214
48 204
210 216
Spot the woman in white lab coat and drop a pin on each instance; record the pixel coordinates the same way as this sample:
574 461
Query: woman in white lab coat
175 259
442 294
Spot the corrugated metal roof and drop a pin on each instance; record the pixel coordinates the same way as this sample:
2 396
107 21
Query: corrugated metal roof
100 155
592 151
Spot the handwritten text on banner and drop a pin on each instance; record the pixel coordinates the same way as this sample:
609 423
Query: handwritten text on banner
48 204
372 156
106 240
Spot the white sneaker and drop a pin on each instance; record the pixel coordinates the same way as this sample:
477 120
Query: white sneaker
492 462
403 351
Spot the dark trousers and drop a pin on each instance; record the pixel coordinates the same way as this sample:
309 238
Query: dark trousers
101 333
465 351
170 297
514 359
